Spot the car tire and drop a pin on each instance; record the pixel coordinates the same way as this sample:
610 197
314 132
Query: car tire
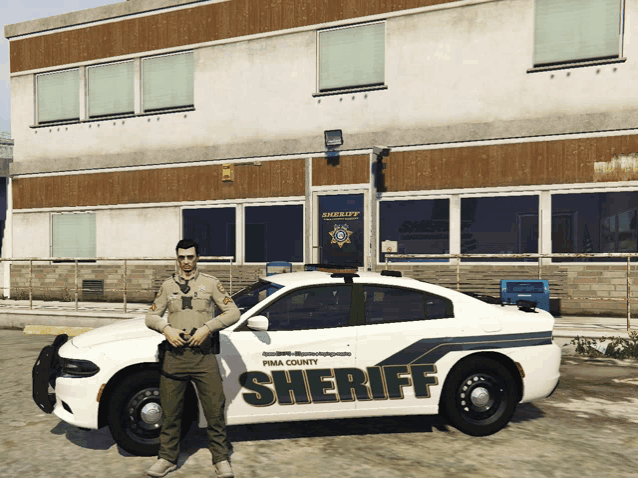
479 397
139 393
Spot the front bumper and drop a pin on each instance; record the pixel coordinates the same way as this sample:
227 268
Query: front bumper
45 372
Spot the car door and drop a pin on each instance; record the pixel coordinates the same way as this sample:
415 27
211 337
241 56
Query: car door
399 345
293 367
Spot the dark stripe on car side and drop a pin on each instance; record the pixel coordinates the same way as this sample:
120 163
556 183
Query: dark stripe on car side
426 351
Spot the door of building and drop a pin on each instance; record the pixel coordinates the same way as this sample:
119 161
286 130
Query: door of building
341 229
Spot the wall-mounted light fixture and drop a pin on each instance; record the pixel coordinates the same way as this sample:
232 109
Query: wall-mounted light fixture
228 173
333 138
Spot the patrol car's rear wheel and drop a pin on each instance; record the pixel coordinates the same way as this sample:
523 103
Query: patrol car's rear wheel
135 413
479 397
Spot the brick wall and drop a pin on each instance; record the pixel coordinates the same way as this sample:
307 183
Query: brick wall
571 285
57 281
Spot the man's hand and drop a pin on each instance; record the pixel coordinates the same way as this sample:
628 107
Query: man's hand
172 335
199 336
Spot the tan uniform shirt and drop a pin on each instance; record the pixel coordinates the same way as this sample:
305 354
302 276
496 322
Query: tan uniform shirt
204 290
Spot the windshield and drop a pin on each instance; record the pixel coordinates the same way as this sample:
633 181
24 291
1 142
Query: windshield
254 294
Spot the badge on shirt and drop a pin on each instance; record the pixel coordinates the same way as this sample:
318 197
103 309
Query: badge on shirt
202 288
220 288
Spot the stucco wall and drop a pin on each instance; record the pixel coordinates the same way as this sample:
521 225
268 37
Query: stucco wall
452 75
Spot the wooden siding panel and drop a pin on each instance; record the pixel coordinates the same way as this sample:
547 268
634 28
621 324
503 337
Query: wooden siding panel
349 170
198 183
188 26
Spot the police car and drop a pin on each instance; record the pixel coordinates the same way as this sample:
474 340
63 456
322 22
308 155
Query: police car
318 345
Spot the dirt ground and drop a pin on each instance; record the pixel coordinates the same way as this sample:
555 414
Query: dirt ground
588 428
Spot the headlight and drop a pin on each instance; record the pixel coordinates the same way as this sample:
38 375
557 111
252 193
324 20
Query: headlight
73 368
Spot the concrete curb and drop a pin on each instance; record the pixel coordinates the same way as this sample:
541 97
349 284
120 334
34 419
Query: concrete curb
55 330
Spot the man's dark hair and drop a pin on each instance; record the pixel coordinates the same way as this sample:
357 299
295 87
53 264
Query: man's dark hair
187 244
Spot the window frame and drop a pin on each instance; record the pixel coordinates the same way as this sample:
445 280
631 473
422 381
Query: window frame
88 92
55 259
238 227
36 103
83 93
585 190
504 261
268 204
168 109
351 89
409 197
566 64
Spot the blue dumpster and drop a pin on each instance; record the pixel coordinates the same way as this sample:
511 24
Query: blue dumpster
277 264
530 290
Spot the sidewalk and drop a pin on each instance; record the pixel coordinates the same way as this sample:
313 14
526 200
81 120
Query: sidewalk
54 315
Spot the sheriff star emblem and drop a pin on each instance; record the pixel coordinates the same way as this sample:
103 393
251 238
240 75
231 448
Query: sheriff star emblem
202 288
340 235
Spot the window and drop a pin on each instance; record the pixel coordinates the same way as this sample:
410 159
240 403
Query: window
74 235
390 304
568 31
212 228
597 222
111 89
274 233
352 57
499 225
254 294
58 96
167 82
419 227
311 308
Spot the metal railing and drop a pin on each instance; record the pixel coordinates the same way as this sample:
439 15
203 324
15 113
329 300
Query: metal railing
539 257
95 260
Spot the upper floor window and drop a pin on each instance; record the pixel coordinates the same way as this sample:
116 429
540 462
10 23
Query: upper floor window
111 89
569 31
58 96
167 82
352 57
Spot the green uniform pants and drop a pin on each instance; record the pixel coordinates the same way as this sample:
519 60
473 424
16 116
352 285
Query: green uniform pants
203 371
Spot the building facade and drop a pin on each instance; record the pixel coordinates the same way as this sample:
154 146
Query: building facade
509 126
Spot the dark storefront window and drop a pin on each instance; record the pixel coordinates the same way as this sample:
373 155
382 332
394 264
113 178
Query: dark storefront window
274 233
418 226
213 229
596 222
499 225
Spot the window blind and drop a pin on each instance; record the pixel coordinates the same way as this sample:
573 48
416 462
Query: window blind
74 235
168 81
111 89
576 30
351 57
58 96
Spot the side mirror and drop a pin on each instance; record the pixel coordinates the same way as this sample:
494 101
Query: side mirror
259 322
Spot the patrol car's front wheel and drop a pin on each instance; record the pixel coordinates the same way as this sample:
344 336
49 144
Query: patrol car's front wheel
479 397
135 413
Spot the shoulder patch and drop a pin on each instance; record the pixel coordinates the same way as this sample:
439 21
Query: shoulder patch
220 288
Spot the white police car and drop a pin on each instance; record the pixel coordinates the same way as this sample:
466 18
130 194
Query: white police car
317 345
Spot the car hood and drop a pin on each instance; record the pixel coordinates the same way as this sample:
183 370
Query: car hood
127 329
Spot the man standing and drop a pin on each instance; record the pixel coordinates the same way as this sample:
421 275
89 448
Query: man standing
189 298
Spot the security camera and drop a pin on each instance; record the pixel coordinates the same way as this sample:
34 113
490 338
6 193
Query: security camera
381 151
